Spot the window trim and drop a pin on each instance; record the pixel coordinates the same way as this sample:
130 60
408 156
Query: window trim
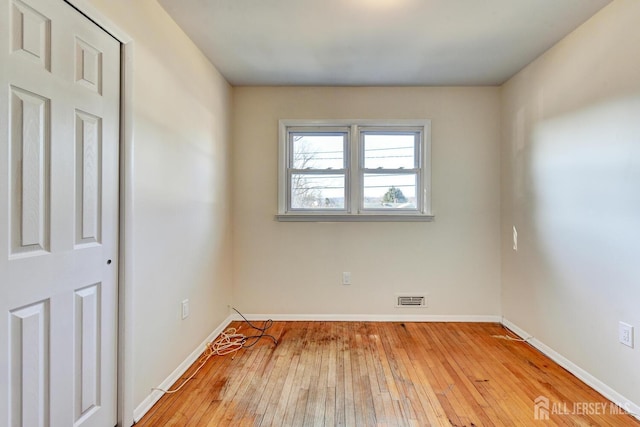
354 174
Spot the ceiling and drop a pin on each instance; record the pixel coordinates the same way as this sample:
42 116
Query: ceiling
376 42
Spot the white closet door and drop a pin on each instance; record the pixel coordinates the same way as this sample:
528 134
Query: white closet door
59 136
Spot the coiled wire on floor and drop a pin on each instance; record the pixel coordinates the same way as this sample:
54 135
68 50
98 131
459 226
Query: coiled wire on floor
228 342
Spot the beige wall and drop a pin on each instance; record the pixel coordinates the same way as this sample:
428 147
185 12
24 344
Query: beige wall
571 185
180 245
296 268
570 173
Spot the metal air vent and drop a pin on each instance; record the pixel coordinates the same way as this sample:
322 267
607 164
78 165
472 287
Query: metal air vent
411 301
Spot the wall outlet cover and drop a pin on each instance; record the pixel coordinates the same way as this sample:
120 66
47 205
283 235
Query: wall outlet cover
346 277
625 334
185 309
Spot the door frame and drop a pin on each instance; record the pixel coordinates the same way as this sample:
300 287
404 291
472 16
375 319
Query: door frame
125 401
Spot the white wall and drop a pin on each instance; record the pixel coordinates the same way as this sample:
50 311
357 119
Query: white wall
571 185
181 237
296 268
570 174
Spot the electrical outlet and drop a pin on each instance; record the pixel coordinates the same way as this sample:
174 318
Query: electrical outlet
346 277
625 334
185 309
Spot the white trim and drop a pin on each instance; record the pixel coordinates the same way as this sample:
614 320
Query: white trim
354 192
353 198
580 373
485 318
329 217
426 167
155 395
127 243
282 166
349 122
94 14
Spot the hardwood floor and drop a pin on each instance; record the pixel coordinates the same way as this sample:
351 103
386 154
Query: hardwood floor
384 374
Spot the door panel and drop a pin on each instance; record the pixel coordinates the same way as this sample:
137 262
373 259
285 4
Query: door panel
31 34
59 132
29 355
87 304
29 176
88 181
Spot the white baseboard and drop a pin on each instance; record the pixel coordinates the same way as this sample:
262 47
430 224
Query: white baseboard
580 373
372 317
583 375
155 395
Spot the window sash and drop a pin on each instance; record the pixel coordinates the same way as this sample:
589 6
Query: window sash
398 131
417 134
313 173
292 132
416 173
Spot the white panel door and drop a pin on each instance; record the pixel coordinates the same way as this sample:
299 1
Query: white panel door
59 133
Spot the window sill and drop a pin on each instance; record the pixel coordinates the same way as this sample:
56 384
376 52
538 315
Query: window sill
354 218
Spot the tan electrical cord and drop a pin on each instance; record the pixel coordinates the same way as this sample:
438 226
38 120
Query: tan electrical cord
228 342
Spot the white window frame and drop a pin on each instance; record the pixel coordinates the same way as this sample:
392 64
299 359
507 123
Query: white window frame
354 171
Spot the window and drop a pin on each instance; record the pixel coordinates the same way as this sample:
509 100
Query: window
354 171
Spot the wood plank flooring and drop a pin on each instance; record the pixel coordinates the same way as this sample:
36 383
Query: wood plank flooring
384 374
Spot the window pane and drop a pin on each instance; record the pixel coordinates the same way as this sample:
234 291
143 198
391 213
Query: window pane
315 191
393 151
318 151
390 191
